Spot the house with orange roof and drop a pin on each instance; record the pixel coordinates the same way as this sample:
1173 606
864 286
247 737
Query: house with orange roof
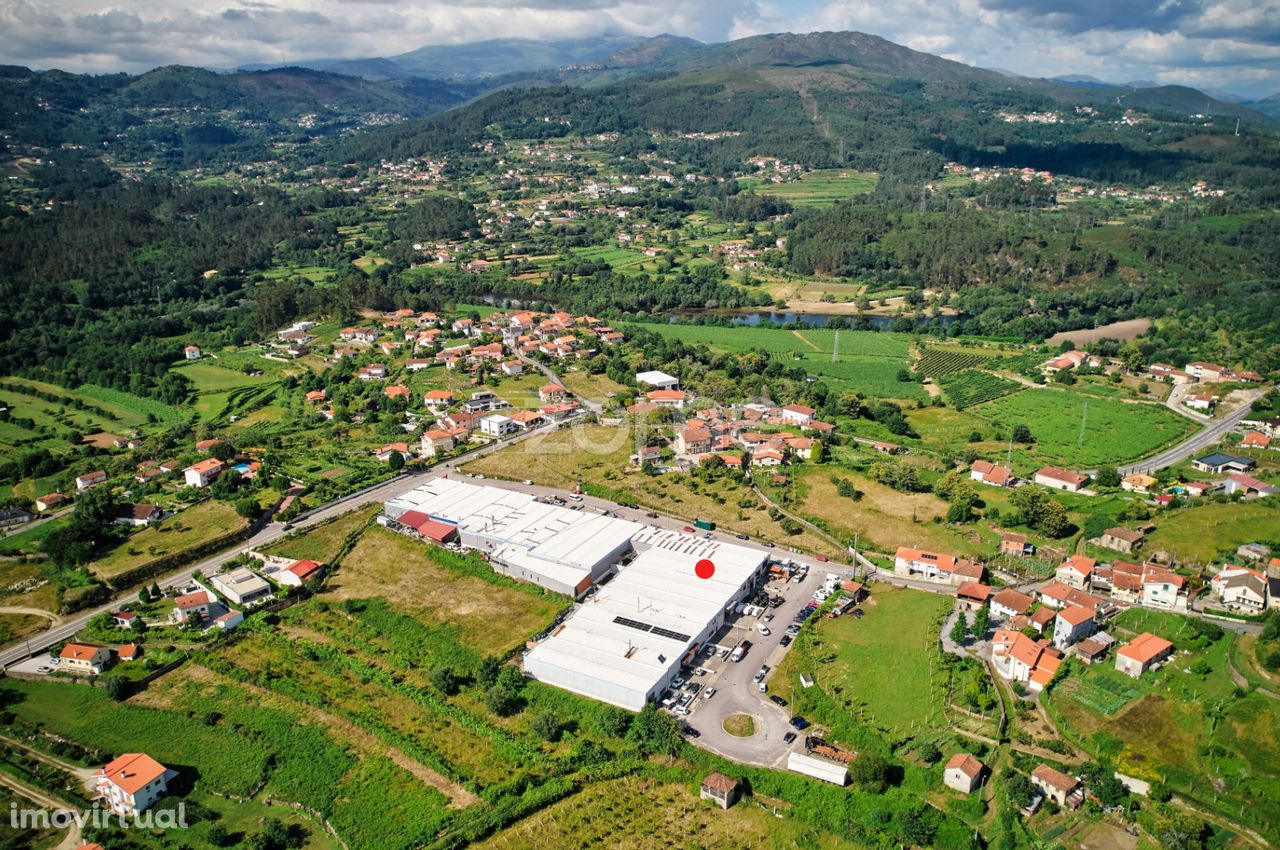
1076 571
1008 603
1255 440
84 659
316 396
993 474
963 773
766 457
667 398
1141 654
694 440
201 474
973 595
384 454
437 399
933 566
1018 658
1061 479
189 604
1066 791
132 782
299 573
551 392
1072 625
396 391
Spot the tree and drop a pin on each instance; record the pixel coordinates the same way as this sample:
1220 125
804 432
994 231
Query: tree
395 462
1108 476
444 680
217 835
928 752
487 672
155 590
547 726
247 507
981 622
960 630
655 732
116 687
869 771
1022 434
143 597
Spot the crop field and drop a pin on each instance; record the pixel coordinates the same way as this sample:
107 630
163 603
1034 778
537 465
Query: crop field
1105 696
820 188
652 815
969 387
1113 431
208 377
323 542
877 671
936 362
192 527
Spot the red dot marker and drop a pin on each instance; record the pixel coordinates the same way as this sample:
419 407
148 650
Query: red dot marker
704 569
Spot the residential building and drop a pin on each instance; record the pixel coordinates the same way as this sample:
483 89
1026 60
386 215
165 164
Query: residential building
1139 482
299 573
385 453
125 619
131 783
90 479
241 586
1162 588
1076 571
202 473
1220 462
191 352
84 659
528 419
50 501
15 516
1020 659
667 398
436 440
1061 479
1072 625
963 773
497 425
1015 545
189 604
719 789
437 399
694 441
1121 539
1141 654
986 472
548 393
1008 603
1062 789
1255 440
1241 587
798 414
138 515
973 595
933 566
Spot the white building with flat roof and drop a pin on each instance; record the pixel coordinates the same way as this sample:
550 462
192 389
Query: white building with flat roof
241 586
562 550
625 644
659 380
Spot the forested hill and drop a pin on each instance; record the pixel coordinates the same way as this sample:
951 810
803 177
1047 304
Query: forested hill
871 105
184 116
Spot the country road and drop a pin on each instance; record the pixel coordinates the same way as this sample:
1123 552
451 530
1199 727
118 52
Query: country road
272 532
594 407
1197 442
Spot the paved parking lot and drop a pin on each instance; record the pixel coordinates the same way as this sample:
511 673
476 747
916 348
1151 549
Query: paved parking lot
32 665
736 690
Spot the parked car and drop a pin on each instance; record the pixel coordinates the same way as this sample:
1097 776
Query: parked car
528 482
692 733
821 558
677 682
651 515
800 723
688 529
742 536
44 669
778 701
763 629
708 693
786 641
789 737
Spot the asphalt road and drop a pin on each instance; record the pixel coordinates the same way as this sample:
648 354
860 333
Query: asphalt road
1196 443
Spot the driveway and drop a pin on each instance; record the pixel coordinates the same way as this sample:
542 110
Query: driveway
1209 435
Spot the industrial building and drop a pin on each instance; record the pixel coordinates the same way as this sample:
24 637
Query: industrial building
624 644
560 549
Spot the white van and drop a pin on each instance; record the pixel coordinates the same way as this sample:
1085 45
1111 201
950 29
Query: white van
763 629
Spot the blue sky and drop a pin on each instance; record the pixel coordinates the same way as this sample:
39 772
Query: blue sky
1232 45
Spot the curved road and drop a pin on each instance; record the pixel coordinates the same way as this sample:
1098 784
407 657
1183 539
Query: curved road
1196 443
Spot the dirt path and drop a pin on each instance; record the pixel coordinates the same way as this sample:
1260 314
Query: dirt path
45 800
84 774
807 341
32 612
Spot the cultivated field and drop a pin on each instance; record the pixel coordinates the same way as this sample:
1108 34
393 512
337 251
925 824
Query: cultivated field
186 529
1113 432
820 188
1205 532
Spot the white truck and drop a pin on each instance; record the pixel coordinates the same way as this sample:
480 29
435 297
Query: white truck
740 650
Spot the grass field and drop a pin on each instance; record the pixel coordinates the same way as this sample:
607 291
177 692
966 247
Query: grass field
876 671
31 541
1113 431
866 361
820 188
966 388
595 388
192 527
1201 532
323 542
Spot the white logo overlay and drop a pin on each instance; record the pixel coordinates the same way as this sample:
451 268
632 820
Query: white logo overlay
97 817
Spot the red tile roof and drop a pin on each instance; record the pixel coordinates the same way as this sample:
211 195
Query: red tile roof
132 771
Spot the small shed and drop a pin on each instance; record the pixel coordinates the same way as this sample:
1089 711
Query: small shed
719 789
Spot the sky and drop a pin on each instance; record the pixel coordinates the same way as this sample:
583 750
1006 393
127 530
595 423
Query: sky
1230 45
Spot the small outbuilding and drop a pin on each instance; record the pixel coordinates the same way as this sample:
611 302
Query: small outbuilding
719 789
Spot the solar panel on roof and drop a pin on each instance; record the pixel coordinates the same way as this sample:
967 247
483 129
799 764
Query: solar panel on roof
633 624
667 633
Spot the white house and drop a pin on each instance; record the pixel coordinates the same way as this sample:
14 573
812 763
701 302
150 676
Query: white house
201 474
1072 625
1061 479
241 586
132 782
191 352
798 414
963 773
90 479
1241 587
191 603
299 573
497 425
